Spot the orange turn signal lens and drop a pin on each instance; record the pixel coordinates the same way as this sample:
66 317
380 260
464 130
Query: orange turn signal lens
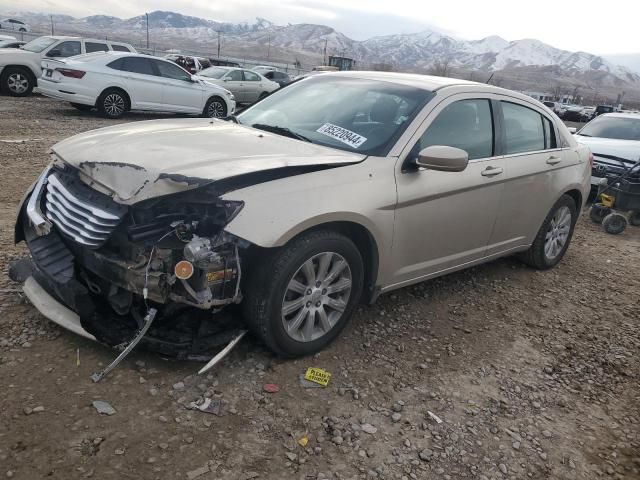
183 270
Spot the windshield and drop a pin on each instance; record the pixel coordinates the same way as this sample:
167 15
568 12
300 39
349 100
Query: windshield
213 72
39 44
619 128
353 114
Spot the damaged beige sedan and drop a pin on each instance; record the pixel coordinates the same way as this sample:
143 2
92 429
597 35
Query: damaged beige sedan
331 191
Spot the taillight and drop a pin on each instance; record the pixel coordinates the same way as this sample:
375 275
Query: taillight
591 159
67 72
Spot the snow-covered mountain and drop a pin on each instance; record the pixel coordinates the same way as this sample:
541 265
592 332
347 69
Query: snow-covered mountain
416 52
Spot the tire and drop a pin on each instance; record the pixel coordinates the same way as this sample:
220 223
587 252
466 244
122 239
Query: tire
81 107
538 256
215 107
113 103
597 212
614 223
267 290
634 219
17 81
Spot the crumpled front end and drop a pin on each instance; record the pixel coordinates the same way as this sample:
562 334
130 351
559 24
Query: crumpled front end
108 263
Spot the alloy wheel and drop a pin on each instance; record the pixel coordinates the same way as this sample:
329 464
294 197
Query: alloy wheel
114 105
558 233
316 297
216 109
18 82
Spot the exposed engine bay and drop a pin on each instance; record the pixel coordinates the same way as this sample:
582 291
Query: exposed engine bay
112 263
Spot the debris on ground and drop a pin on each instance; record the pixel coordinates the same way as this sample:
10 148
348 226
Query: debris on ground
435 418
271 388
317 375
103 408
208 405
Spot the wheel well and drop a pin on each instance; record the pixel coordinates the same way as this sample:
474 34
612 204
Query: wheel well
577 197
127 97
27 69
368 248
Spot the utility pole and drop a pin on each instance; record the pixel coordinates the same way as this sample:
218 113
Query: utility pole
324 56
147 29
219 33
269 47
51 18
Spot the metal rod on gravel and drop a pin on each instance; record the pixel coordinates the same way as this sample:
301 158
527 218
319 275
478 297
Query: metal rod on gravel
148 319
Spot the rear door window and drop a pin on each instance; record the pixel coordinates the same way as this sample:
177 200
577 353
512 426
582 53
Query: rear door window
524 130
120 48
465 124
251 77
95 47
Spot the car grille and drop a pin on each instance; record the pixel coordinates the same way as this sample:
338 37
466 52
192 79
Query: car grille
77 218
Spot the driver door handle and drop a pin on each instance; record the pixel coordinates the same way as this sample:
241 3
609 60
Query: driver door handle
491 171
553 160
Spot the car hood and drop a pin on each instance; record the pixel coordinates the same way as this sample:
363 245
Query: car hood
141 160
7 53
628 149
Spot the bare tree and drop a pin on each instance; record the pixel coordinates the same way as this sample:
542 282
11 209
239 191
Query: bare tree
440 67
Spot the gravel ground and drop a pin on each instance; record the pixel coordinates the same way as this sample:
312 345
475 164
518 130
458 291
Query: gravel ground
493 373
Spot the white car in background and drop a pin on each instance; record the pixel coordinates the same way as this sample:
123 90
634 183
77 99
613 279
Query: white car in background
264 68
614 140
20 67
13 24
247 86
115 83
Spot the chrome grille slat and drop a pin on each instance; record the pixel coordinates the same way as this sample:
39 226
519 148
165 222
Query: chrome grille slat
62 201
69 213
55 183
81 220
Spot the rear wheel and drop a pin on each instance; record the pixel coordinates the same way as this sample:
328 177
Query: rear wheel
113 103
81 107
302 295
215 107
17 81
614 223
554 236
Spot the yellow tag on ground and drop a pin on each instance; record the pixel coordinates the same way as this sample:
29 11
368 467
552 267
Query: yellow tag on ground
303 441
317 375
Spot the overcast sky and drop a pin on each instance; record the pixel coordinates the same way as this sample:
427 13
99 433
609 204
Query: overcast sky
594 26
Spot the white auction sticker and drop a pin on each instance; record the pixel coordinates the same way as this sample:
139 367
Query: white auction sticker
342 135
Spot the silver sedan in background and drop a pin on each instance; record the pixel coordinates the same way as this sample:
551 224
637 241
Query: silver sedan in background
246 86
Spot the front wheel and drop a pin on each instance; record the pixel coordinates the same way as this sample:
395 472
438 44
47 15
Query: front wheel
301 296
215 107
554 236
597 212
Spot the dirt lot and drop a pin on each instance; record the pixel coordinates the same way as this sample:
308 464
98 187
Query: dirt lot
533 374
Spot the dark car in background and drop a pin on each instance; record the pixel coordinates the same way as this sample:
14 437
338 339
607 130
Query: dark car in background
280 78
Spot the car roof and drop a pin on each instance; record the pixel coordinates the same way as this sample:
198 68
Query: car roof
621 115
72 37
425 82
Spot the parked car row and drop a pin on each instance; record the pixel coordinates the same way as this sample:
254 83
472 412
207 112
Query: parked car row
113 78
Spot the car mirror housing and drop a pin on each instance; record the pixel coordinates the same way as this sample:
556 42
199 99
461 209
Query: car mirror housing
572 130
443 158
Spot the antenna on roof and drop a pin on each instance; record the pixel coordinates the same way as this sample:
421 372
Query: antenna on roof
490 77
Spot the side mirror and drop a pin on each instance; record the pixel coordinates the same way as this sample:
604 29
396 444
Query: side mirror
572 130
225 79
54 53
443 158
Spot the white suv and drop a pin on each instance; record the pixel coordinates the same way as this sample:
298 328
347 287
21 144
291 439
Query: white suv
20 68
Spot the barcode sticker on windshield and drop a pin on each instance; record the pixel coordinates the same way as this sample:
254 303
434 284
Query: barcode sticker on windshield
342 135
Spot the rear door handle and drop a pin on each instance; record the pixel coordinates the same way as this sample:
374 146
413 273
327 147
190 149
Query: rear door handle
491 171
553 160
